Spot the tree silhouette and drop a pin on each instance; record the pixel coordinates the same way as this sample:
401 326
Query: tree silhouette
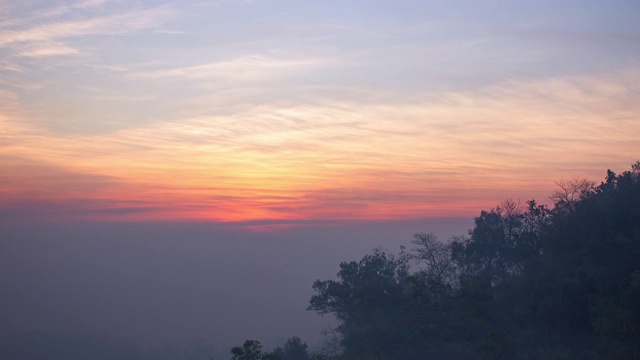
250 350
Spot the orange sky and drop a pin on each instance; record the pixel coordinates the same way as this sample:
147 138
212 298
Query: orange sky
125 129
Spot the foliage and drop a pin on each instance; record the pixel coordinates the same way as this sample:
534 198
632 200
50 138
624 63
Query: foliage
527 282
368 299
293 349
250 350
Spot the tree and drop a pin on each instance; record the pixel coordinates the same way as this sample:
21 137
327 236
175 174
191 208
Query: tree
295 349
250 350
373 282
582 288
330 346
501 243
435 258
570 192
496 347
368 299
487 255
527 282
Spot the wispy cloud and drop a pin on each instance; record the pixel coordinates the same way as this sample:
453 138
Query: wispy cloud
241 114
52 32
46 49
170 32
113 24
342 158
247 67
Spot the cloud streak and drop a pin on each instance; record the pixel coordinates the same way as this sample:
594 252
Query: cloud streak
248 67
115 24
449 154
153 112
55 31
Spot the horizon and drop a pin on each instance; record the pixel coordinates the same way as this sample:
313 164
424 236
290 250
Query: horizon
148 147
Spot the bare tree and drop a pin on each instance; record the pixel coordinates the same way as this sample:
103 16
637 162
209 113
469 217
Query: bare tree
571 191
435 257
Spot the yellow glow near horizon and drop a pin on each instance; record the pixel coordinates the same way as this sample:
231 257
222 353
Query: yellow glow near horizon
449 156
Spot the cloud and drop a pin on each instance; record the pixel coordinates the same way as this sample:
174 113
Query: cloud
243 68
90 3
435 154
46 49
171 32
113 24
48 33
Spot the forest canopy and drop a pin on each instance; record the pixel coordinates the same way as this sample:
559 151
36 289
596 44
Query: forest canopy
527 282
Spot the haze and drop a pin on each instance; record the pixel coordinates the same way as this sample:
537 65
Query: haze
178 170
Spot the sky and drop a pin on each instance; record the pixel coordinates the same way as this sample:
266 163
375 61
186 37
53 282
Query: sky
292 110
263 120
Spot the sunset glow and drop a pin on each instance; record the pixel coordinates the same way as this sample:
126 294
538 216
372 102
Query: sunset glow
180 178
153 112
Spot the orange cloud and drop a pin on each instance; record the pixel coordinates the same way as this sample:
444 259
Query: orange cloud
450 154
